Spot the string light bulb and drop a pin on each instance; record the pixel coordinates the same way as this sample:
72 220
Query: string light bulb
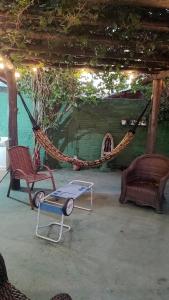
34 69
131 77
17 75
2 65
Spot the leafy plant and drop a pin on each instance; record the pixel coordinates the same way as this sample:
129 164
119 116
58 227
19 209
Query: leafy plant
50 88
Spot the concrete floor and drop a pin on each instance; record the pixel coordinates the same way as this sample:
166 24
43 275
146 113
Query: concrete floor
114 253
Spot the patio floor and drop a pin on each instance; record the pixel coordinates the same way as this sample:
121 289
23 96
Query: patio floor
116 252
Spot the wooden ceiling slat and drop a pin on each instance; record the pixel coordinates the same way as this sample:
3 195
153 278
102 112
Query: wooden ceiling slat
143 3
143 46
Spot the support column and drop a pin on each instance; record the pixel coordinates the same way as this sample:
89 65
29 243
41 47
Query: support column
153 121
12 97
12 118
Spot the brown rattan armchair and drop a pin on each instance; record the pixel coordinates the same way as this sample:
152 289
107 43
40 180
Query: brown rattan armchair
143 182
21 167
9 292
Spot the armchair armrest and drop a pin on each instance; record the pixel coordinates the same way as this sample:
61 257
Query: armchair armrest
47 169
19 171
3 272
162 184
128 175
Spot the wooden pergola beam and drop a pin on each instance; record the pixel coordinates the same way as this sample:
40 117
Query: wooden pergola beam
160 75
154 26
33 62
76 38
141 3
8 20
61 51
58 37
88 60
153 121
86 56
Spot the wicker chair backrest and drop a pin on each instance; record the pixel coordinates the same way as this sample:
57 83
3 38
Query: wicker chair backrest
151 167
20 158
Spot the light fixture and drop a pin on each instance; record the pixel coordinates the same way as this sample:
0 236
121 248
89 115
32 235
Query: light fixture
128 122
2 66
34 69
17 75
130 79
123 122
143 123
132 122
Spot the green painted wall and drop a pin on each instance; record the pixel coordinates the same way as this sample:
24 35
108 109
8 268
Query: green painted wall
162 144
82 132
25 134
4 112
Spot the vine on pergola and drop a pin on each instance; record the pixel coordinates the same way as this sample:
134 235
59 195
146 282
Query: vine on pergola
75 32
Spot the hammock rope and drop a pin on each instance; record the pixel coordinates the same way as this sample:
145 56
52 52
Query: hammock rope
55 153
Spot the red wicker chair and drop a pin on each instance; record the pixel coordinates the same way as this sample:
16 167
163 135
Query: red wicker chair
9 292
143 182
22 167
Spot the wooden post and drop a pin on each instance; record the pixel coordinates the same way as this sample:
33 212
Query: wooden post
153 121
12 119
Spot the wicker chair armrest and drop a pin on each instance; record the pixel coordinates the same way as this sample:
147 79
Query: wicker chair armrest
48 169
3 272
162 183
19 171
129 175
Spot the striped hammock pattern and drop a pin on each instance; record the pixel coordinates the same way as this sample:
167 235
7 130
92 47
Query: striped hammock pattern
55 153
43 140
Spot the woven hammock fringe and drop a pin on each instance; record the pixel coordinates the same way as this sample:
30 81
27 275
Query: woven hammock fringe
55 153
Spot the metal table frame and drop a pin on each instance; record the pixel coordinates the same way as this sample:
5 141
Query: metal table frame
60 224
56 208
89 186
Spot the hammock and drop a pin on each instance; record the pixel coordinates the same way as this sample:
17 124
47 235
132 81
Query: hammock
54 152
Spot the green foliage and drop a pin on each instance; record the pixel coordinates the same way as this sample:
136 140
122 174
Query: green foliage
164 100
145 89
82 21
19 6
50 88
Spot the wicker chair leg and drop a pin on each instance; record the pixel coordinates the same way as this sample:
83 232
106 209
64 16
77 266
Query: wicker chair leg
53 183
30 196
9 189
32 186
122 198
159 208
61 297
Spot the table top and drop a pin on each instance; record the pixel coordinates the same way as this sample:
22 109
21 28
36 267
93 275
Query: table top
70 191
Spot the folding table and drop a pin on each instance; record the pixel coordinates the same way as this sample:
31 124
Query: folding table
69 194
